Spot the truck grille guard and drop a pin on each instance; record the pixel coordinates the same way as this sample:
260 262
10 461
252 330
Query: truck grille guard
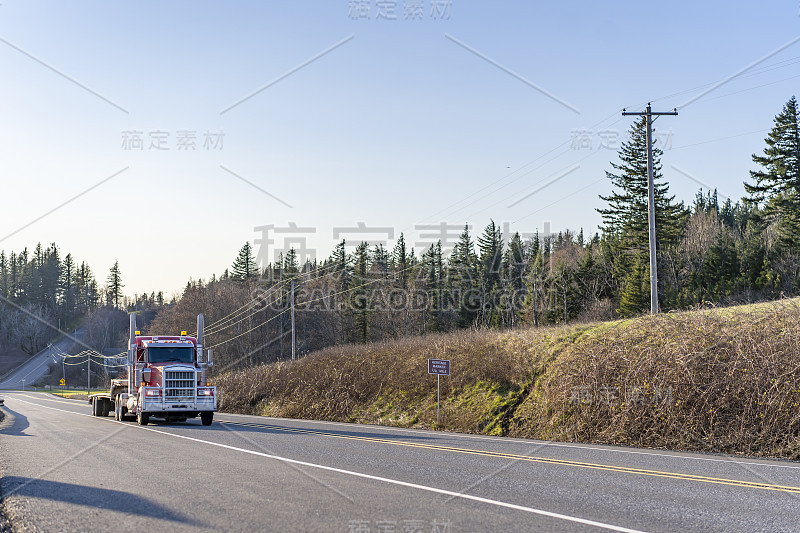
180 383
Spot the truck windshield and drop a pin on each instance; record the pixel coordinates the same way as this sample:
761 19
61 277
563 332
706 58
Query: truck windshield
164 355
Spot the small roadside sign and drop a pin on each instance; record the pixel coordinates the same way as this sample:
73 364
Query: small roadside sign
439 366
62 382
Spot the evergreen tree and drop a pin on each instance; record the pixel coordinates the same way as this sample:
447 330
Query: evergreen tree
13 276
114 280
514 274
626 214
244 267
4 275
401 263
634 296
433 270
50 276
360 300
490 244
340 267
67 285
380 261
463 277
290 265
777 184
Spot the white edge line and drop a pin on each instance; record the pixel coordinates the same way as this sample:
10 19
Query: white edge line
509 440
366 476
597 448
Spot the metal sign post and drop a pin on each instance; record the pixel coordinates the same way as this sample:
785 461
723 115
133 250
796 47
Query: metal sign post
440 367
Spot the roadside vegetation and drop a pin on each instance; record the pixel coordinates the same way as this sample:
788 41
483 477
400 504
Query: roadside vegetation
714 380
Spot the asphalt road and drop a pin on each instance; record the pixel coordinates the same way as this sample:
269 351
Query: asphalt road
64 470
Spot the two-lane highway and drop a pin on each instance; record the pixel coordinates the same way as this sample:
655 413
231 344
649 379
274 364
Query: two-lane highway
64 470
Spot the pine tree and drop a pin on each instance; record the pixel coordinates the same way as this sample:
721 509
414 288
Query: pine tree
433 270
490 245
114 280
360 300
67 285
633 297
463 278
290 265
380 261
626 214
244 267
4 275
777 185
13 276
50 276
514 274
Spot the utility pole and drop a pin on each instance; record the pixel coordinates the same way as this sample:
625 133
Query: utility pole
651 202
88 372
294 343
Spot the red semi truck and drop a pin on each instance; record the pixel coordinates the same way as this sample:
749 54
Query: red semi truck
167 379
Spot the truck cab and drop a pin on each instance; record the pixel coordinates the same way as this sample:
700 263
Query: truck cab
170 382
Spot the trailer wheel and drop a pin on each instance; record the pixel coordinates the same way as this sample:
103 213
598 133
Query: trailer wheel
116 408
95 407
206 417
142 418
105 407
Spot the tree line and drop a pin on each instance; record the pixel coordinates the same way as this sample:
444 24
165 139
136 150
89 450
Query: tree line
42 290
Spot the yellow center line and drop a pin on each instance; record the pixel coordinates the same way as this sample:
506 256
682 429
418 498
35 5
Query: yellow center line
562 462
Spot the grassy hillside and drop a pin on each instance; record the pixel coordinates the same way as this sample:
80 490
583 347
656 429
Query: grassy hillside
718 380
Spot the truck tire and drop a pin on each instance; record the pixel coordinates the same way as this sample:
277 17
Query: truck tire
142 418
95 406
206 417
105 407
120 410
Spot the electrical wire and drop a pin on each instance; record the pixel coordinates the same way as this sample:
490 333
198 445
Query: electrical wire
250 330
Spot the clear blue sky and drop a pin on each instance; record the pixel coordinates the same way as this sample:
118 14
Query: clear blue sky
405 122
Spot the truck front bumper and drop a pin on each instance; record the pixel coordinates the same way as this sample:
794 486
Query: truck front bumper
160 404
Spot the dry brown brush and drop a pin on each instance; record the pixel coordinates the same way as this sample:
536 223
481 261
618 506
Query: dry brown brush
719 380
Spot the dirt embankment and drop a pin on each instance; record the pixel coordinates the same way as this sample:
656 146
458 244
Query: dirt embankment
719 380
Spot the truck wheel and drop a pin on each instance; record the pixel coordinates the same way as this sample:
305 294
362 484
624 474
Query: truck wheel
123 411
206 417
142 418
105 407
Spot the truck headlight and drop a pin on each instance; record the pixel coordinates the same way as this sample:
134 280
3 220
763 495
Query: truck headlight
205 392
152 393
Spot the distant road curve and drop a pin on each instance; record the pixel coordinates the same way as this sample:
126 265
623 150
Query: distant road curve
36 366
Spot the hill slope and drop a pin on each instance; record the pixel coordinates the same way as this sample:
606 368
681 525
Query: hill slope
718 380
